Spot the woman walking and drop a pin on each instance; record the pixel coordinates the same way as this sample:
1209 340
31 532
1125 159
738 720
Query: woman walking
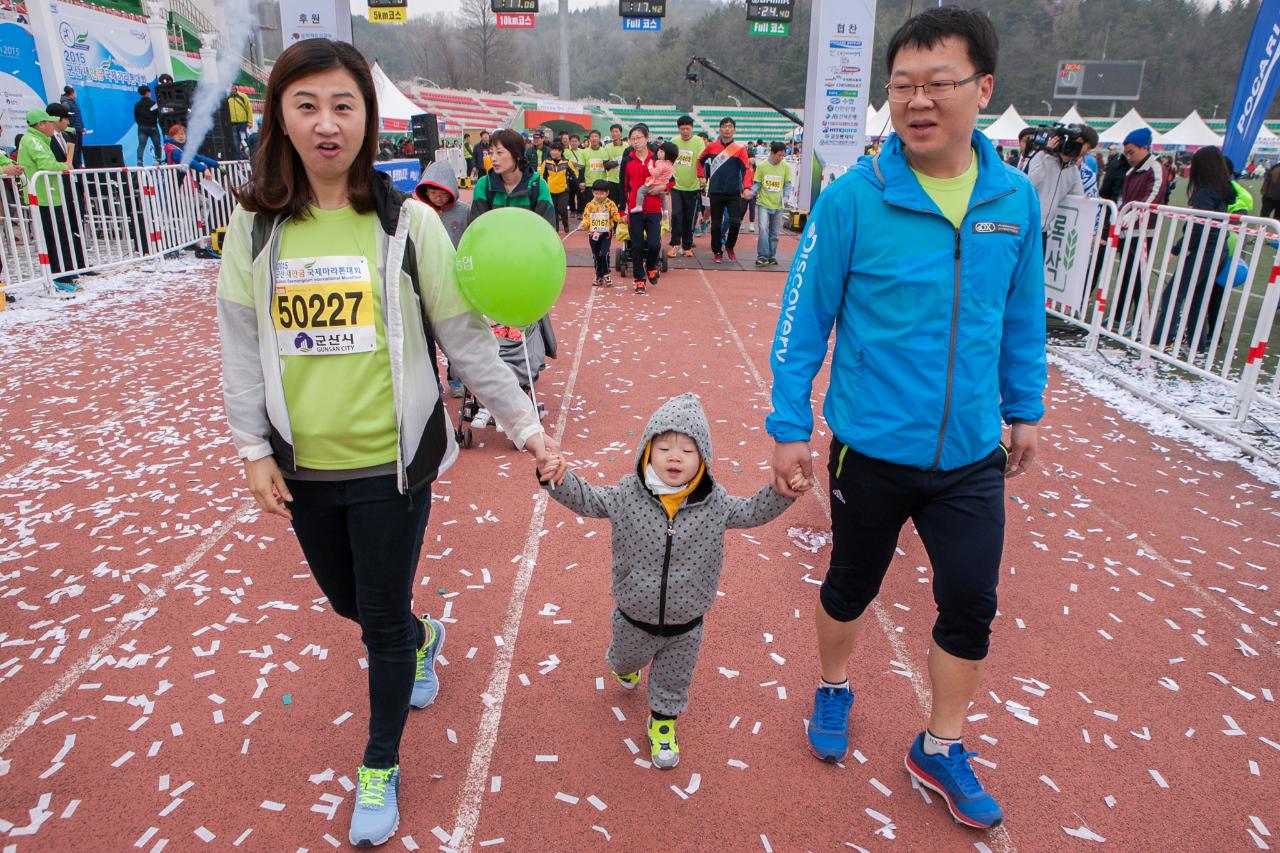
333 292
512 182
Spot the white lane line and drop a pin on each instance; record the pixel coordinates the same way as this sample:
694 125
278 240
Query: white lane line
468 815
73 674
999 836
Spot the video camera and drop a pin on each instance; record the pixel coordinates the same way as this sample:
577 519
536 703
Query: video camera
1070 140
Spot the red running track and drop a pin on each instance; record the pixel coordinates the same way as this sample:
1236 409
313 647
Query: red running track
170 675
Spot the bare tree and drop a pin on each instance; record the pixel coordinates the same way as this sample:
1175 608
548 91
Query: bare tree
483 38
442 38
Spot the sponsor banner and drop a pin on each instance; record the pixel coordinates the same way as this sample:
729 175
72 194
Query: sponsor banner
1070 234
106 56
841 36
404 173
1257 85
20 85
516 21
315 19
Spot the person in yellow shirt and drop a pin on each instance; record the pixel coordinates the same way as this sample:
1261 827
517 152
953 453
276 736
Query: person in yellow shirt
557 171
599 217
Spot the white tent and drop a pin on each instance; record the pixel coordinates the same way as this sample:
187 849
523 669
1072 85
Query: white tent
1191 132
878 124
394 109
1129 122
1072 116
1267 141
1007 127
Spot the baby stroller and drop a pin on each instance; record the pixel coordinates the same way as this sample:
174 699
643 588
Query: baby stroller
526 364
622 254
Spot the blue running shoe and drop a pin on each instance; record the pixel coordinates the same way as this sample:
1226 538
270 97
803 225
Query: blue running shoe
951 776
829 723
377 814
425 683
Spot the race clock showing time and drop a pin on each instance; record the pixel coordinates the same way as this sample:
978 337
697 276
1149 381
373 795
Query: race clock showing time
513 5
769 10
642 8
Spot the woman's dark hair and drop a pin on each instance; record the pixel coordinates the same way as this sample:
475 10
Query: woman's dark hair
279 185
512 143
670 149
642 127
930 27
1209 171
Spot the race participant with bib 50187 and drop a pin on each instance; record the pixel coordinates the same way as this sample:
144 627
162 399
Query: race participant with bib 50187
333 290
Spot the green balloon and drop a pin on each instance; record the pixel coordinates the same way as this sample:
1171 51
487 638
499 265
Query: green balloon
511 265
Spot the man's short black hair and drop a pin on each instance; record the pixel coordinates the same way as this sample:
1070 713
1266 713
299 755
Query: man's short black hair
618 126
1025 132
684 120
574 136
930 27
1089 135
68 90
775 147
593 132
728 120
557 146
144 90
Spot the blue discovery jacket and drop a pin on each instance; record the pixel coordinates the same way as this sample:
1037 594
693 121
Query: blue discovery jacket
940 332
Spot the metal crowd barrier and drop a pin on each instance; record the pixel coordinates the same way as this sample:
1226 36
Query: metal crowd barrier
1203 310
106 218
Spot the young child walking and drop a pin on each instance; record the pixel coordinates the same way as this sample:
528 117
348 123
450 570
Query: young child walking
661 168
669 518
599 218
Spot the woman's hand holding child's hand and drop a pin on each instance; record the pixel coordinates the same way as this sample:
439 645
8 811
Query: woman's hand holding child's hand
799 483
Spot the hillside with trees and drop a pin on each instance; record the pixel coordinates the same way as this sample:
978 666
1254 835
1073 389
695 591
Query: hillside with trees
1193 51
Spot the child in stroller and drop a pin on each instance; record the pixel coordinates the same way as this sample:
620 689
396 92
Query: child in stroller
526 364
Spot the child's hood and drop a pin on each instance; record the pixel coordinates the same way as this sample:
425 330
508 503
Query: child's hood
439 176
679 414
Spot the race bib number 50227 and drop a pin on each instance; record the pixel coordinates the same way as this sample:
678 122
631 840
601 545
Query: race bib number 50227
323 306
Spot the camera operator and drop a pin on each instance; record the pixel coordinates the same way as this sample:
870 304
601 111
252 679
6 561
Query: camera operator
1020 159
1055 170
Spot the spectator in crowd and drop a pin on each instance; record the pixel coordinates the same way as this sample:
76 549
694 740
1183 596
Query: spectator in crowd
1209 187
613 151
1271 191
7 166
173 150
1020 158
1144 181
577 189
540 149
592 158
62 147
512 181
1057 175
558 172
61 230
480 155
146 114
729 171
688 187
1113 175
241 110
645 226
770 189
72 104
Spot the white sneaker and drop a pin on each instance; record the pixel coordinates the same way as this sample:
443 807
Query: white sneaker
481 419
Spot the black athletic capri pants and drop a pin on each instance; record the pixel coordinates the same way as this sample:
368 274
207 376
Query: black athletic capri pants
959 515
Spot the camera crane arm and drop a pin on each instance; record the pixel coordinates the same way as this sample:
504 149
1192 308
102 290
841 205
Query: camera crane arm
692 77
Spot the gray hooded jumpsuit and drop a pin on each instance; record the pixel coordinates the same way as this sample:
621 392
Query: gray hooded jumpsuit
666 571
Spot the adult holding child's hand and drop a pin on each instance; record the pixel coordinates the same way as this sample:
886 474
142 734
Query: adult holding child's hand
333 292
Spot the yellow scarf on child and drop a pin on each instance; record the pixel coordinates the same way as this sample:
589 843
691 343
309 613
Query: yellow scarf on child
672 502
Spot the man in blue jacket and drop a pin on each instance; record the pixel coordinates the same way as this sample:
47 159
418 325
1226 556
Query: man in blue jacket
927 259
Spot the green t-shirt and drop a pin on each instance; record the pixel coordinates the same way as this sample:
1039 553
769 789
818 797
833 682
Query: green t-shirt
771 180
593 165
613 152
686 172
951 195
341 406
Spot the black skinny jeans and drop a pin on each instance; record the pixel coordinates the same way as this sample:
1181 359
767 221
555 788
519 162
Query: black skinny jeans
362 539
646 243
